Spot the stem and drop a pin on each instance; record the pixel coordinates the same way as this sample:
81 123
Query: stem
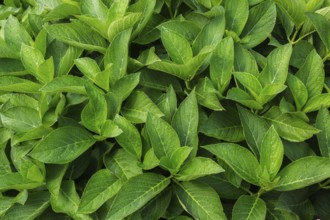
302 37
325 184
326 57
292 40
326 88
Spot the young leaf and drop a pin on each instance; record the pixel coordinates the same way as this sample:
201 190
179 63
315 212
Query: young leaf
244 98
124 86
16 84
303 172
63 145
177 47
198 167
130 139
167 103
94 8
259 25
244 61
237 13
240 159
254 129
323 124
122 24
136 193
185 122
249 207
223 125
200 200
100 187
271 153
222 63
163 138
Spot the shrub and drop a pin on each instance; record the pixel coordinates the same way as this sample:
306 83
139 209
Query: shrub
149 109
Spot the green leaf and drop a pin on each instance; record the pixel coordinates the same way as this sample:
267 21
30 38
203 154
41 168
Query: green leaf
311 74
289 126
240 159
123 164
323 137
237 13
16 84
271 153
117 10
322 26
122 24
163 138
315 169
15 34
7 202
174 161
315 102
92 71
167 103
250 82
222 63
20 119
295 9
78 35
177 47
223 125
248 208
254 129
136 193
240 96
124 86
244 61
298 90
259 25
183 71
199 200
94 8
130 138
185 122
185 28
94 115
36 203
67 83
100 187
211 33
15 181
117 54
207 95
63 145
276 70
198 167
137 107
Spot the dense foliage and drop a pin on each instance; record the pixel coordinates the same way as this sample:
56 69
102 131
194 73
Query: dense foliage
149 109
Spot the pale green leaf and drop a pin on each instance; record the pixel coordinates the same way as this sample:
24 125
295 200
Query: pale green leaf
315 102
237 13
16 84
298 90
295 9
322 26
67 83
